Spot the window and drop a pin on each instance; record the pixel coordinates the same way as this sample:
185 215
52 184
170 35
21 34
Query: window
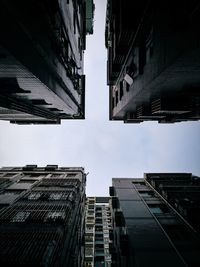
7 168
89 238
156 209
55 196
99 228
21 216
145 49
99 246
55 216
142 55
140 185
127 87
74 21
89 251
121 90
149 45
116 98
98 260
89 228
55 175
34 196
98 237
132 68
146 193
113 102
98 221
59 196
71 174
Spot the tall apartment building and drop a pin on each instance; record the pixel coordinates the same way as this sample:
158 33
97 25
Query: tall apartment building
153 68
147 229
42 216
98 232
182 191
41 59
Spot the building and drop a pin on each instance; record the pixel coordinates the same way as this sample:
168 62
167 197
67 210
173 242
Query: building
98 232
42 216
147 229
182 191
41 60
153 69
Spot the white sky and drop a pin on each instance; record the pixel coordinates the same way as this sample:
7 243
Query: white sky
105 148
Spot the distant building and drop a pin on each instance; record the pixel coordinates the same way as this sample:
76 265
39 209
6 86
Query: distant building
42 216
98 232
153 67
147 230
41 60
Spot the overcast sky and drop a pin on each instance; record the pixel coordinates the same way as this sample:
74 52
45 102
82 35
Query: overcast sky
105 148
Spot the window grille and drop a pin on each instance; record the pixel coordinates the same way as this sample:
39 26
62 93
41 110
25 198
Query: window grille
21 216
29 246
36 212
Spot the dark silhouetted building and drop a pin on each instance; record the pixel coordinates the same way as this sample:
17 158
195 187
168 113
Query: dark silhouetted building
98 232
42 216
41 59
147 230
153 67
182 191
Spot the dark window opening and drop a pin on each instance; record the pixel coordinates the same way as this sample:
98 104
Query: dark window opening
99 246
131 69
121 90
149 45
113 102
39 102
98 221
116 98
98 228
127 87
142 56
74 21
98 237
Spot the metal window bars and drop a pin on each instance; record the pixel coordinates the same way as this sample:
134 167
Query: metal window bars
36 213
29 245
